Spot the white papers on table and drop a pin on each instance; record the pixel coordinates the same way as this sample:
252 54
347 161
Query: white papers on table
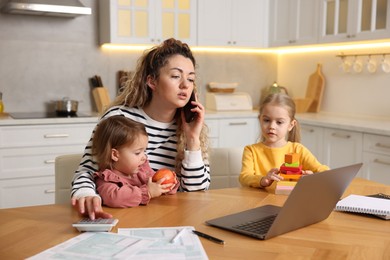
169 242
130 243
95 245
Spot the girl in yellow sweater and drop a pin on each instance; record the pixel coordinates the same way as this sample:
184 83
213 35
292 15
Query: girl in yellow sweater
280 135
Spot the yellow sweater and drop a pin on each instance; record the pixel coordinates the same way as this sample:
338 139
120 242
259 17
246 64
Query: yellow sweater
258 159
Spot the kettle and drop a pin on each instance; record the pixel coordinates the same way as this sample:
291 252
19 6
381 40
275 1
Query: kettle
1 103
275 88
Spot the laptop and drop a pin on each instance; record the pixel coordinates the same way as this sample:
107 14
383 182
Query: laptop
312 200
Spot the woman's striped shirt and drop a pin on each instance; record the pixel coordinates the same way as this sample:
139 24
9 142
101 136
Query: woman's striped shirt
161 153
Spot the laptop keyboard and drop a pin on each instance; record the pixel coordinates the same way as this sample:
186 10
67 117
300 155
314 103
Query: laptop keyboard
258 226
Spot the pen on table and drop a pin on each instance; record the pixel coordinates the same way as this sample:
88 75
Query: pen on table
178 235
211 238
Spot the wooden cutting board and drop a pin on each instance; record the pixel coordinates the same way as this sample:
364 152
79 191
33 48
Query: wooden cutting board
102 98
314 92
315 89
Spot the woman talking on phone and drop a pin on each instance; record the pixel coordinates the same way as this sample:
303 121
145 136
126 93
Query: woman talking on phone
155 96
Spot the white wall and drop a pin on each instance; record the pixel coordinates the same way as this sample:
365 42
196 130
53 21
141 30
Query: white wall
43 59
362 94
252 72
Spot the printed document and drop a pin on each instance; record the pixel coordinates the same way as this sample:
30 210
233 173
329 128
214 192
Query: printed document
130 243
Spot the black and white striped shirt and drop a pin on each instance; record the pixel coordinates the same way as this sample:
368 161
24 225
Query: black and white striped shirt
161 153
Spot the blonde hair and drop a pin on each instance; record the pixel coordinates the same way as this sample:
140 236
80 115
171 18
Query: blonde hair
284 100
136 93
113 133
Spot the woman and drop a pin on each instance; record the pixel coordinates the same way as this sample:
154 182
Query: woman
160 88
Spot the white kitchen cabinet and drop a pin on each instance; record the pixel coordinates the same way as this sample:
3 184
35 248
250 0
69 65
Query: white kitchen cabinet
342 147
293 22
333 147
312 137
233 132
351 20
376 158
231 23
348 140
26 192
147 21
27 155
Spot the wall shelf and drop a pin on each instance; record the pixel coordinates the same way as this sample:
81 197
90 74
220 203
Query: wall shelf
342 55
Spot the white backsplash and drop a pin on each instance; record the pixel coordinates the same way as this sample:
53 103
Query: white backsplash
44 59
358 94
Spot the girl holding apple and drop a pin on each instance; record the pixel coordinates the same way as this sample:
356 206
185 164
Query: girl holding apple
125 177
160 87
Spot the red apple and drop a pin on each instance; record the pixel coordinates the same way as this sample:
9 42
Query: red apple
164 173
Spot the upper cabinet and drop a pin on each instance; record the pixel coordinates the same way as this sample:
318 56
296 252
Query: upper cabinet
352 20
244 23
232 23
147 21
293 22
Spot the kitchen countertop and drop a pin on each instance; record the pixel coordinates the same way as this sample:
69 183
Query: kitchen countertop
212 114
6 120
372 125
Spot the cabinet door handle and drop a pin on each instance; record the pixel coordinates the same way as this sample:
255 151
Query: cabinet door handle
380 145
56 135
51 161
239 123
381 162
346 136
49 191
310 130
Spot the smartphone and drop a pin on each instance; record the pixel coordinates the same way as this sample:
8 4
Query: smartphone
188 114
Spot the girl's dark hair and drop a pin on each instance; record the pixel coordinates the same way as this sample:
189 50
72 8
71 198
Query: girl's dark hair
112 133
284 100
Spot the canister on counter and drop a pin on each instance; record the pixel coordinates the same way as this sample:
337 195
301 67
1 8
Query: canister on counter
1 103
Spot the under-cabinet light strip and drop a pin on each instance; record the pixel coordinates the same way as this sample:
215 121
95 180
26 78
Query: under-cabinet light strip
281 50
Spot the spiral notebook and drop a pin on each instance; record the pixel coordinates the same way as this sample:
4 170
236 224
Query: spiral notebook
379 207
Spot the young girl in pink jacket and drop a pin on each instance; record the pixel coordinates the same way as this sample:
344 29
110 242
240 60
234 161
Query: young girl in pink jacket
125 178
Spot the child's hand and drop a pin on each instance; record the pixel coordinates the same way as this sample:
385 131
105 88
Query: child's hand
175 183
156 189
272 175
174 186
307 172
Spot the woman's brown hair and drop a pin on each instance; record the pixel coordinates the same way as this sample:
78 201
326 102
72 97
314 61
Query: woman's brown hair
136 93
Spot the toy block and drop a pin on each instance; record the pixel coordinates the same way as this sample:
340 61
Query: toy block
291 170
294 164
284 187
291 177
291 158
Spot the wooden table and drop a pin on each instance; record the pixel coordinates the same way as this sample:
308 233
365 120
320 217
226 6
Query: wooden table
27 231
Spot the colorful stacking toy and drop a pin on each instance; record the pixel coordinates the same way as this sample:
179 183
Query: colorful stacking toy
291 171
